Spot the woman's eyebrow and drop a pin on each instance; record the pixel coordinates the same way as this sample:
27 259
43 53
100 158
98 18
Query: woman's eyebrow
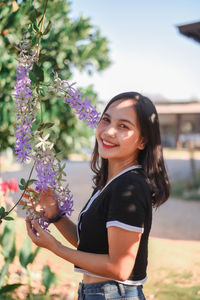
125 120
106 114
121 120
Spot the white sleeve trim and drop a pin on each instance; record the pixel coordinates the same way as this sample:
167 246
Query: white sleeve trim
124 226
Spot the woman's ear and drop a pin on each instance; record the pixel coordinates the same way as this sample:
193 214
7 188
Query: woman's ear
142 144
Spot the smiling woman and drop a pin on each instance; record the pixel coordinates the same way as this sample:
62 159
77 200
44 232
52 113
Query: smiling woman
120 134
113 228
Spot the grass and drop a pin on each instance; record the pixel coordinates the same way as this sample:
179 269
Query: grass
186 190
174 270
173 291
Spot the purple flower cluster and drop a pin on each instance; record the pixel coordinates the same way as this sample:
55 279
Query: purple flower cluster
42 220
25 108
47 166
73 97
64 198
82 107
23 146
44 166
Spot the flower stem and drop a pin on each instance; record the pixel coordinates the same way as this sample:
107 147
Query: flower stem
41 27
41 111
7 213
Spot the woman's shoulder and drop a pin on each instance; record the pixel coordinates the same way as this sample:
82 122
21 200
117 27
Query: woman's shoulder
136 176
132 186
131 180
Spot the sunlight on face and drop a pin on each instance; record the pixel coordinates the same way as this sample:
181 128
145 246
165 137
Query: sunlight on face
118 133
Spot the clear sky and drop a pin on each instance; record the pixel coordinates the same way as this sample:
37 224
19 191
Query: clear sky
148 53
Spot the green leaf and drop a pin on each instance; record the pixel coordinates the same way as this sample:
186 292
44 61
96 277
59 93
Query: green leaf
34 254
30 28
2 211
48 28
48 278
34 14
51 75
45 57
13 251
34 41
32 77
26 256
42 92
35 26
9 288
8 218
3 273
43 126
31 181
8 241
25 252
23 181
38 73
21 187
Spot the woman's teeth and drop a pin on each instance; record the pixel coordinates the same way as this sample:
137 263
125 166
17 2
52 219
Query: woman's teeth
107 143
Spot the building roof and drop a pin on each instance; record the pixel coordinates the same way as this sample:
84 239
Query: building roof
191 30
178 108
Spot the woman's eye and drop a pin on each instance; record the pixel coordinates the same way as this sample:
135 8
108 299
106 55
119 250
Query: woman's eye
105 119
123 126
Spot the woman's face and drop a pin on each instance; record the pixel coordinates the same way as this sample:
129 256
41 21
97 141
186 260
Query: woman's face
118 133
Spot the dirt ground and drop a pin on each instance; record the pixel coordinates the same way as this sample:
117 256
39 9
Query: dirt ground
175 219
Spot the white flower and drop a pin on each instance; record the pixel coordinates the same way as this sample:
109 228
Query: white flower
44 143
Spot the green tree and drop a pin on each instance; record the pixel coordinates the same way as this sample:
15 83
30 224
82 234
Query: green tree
72 43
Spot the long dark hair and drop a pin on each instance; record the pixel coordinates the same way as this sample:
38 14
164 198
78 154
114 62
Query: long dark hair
151 157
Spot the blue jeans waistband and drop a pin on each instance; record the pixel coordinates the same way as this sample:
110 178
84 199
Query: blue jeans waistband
107 288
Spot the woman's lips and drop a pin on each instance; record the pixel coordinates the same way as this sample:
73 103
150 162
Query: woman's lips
108 144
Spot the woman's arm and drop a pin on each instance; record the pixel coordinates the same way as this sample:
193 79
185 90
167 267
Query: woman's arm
68 229
117 265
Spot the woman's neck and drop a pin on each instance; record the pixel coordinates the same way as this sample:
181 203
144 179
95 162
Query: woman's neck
115 168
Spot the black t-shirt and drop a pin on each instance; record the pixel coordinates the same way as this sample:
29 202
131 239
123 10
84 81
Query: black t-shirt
125 202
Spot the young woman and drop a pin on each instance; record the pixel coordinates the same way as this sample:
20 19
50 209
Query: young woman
112 233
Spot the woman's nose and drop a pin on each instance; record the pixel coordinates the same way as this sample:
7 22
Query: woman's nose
111 130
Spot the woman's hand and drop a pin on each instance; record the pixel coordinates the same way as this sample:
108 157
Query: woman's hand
41 237
47 202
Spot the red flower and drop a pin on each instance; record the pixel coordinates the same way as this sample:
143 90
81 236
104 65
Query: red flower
13 185
4 186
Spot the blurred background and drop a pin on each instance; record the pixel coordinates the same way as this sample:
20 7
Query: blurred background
109 47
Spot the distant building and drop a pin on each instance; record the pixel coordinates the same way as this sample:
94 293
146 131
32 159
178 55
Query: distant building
179 123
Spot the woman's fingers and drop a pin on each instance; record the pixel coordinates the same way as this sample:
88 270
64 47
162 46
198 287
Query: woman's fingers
29 229
36 225
34 230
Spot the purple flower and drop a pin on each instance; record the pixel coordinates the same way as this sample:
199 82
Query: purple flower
44 166
64 198
25 108
42 221
73 97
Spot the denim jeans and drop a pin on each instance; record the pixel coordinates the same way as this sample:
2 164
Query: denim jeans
110 290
